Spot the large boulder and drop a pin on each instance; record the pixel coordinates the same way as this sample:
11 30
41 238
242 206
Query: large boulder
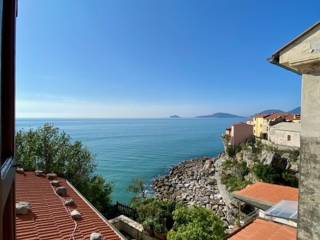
267 157
208 164
279 162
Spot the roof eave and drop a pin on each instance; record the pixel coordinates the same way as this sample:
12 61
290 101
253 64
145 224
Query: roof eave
274 59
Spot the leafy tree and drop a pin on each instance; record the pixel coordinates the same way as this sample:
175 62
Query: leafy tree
49 149
154 214
137 188
196 223
271 174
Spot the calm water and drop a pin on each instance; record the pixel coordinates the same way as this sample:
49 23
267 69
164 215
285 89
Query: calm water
130 148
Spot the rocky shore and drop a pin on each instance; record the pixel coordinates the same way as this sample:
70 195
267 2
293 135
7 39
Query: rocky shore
194 182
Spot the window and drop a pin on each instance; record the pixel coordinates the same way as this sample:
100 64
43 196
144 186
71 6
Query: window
289 137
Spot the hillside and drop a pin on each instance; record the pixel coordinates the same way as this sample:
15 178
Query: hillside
220 115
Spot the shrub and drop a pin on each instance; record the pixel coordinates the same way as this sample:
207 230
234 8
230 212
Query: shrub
233 175
137 187
196 223
269 174
154 214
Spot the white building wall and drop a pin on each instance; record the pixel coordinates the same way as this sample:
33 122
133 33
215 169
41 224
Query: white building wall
284 137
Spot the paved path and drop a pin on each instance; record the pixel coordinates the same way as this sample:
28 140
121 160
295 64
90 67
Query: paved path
222 189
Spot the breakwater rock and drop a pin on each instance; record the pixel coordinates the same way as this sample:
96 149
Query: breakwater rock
193 182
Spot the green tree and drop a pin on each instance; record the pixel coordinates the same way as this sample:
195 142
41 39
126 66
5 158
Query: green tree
193 223
49 149
137 187
154 214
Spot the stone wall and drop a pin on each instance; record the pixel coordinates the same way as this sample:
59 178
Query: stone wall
309 202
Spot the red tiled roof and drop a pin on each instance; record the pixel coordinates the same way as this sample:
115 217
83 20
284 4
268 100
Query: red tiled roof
276 115
268 193
49 219
262 115
265 230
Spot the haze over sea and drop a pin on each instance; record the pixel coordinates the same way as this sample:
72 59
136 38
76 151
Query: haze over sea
146 148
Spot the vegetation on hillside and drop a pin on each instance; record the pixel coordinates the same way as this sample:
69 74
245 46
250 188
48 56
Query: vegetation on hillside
51 150
236 174
233 175
194 223
173 219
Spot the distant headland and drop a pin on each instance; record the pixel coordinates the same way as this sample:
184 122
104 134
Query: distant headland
175 116
220 115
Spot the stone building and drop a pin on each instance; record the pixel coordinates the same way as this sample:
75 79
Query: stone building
262 122
302 56
285 134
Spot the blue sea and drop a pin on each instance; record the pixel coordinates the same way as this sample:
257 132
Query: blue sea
146 148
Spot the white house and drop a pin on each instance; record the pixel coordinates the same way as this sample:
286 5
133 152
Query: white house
285 134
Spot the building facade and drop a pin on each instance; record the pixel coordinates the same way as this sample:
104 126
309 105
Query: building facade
263 122
302 56
239 133
285 134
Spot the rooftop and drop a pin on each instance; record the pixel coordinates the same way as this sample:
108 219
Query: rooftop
265 195
50 219
265 230
261 115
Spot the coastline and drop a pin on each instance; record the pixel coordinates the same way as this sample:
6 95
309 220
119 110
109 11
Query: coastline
195 182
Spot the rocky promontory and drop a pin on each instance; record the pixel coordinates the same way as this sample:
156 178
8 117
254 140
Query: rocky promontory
194 182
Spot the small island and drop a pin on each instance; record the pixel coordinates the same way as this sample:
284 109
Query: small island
175 116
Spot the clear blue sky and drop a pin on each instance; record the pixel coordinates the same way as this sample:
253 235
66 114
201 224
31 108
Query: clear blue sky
154 58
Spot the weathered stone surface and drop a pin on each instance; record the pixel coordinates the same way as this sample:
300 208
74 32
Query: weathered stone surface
95 236
69 202
279 162
62 191
55 183
193 182
51 176
23 208
76 215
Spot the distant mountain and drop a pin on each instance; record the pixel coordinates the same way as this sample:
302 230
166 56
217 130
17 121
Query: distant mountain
175 116
296 110
219 115
270 111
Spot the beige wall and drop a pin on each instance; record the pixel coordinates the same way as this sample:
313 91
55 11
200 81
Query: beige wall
280 137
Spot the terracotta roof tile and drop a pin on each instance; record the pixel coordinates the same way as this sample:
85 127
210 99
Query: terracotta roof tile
261 115
265 230
49 219
268 193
